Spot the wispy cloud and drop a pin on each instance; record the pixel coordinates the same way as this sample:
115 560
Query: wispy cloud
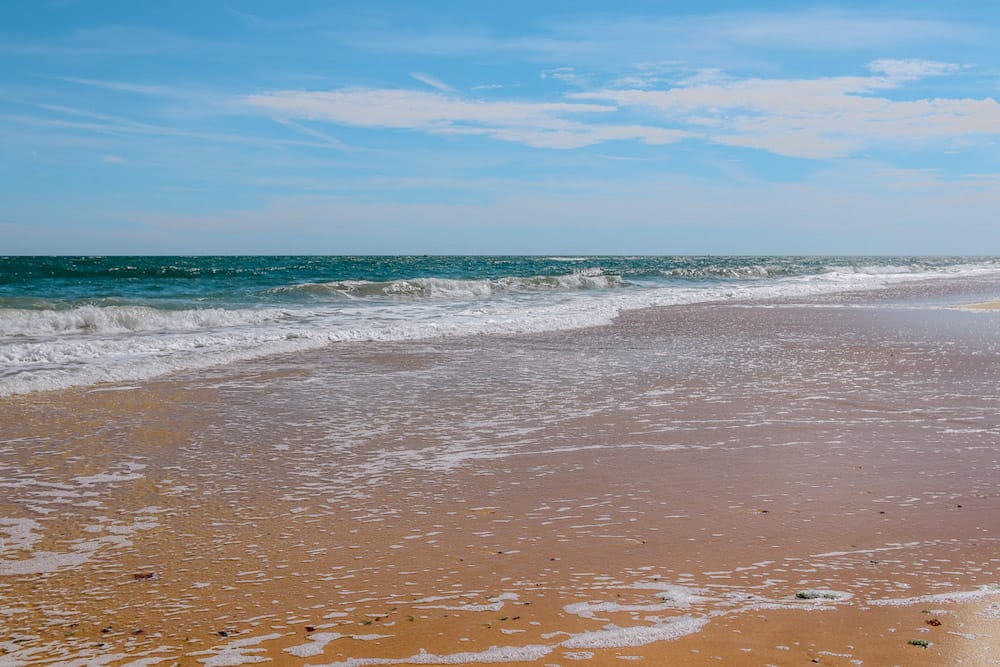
122 86
911 70
815 118
565 74
110 125
539 124
431 81
251 20
312 132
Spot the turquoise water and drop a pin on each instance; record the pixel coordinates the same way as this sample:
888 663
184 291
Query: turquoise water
242 281
68 321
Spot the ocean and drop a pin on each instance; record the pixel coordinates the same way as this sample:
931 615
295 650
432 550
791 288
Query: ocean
72 321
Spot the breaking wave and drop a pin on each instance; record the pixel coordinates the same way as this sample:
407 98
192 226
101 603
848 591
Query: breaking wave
91 319
67 322
449 288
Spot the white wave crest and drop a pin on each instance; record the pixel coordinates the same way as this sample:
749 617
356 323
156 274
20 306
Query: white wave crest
450 288
51 349
124 319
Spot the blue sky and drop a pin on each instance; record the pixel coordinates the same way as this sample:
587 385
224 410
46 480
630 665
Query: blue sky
488 127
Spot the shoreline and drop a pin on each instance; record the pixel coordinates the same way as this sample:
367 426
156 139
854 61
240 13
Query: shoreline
683 474
984 305
75 365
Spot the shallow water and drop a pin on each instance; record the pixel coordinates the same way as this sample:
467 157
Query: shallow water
78 321
492 498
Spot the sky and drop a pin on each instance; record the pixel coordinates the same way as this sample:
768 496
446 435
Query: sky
550 126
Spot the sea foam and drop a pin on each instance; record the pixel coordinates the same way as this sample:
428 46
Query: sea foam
74 344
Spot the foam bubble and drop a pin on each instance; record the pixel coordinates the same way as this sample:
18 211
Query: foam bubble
494 654
91 319
80 552
955 596
315 646
236 652
107 478
21 534
87 345
616 637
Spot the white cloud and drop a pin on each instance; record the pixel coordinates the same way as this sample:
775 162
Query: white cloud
312 132
910 70
816 118
565 74
112 159
400 108
123 86
539 124
431 81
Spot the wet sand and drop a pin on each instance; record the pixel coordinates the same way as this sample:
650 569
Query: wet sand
779 484
985 305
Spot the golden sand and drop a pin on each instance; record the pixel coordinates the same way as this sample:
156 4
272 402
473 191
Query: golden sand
985 305
829 499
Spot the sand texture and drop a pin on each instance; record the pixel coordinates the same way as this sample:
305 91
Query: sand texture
782 484
984 305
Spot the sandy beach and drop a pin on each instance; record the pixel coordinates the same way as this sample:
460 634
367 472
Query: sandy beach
985 305
773 484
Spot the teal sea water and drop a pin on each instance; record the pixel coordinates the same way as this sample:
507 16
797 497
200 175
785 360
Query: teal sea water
68 321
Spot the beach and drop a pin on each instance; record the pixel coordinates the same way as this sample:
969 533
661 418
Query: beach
801 480
361 334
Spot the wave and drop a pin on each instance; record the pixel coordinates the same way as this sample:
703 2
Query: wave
746 268
715 271
90 319
449 288
51 348
36 364
97 268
